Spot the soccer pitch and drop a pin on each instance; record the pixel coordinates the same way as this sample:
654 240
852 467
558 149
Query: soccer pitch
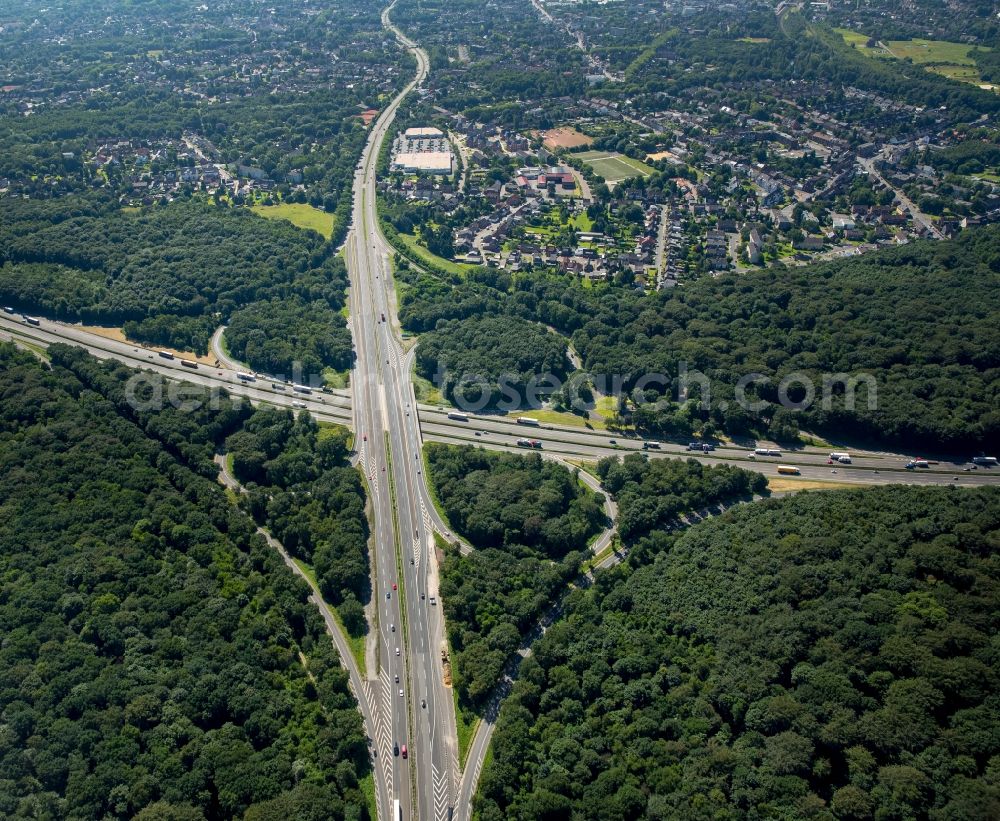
613 167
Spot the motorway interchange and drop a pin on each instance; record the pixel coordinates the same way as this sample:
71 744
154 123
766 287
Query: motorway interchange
408 708
404 700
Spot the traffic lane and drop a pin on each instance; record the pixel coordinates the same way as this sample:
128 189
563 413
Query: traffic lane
422 658
337 410
841 474
428 755
387 607
56 332
565 433
368 379
206 376
572 441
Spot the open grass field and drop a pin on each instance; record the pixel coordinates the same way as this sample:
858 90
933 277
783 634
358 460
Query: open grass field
554 417
853 38
299 214
964 74
782 484
613 167
932 51
419 253
952 60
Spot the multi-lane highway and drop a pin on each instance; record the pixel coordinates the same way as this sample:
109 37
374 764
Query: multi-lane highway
501 433
418 712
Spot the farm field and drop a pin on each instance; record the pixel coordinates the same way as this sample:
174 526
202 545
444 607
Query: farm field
613 167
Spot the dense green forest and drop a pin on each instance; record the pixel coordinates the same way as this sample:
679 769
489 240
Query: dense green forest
277 334
493 599
171 274
522 503
302 487
483 361
921 319
827 655
158 660
652 493
529 521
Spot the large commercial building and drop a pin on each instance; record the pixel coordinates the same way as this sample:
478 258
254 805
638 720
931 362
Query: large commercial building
423 151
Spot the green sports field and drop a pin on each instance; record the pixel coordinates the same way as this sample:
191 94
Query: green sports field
613 167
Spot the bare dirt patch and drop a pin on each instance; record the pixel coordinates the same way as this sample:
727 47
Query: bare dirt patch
565 137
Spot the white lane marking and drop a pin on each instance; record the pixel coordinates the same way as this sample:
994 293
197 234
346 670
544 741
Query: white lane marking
440 793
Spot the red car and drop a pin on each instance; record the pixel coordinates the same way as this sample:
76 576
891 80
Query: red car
402 751
393 585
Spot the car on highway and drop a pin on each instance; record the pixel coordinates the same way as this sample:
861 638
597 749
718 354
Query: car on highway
397 651
400 692
433 600
423 703
402 751
395 749
393 585
393 626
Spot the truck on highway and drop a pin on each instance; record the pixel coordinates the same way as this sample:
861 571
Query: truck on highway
301 389
166 354
32 320
397 812
650 445
187 363
246 377
8 310
766 452
458 417
528 420
297 404
985 461
789 470
524 443
917 463
840 456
